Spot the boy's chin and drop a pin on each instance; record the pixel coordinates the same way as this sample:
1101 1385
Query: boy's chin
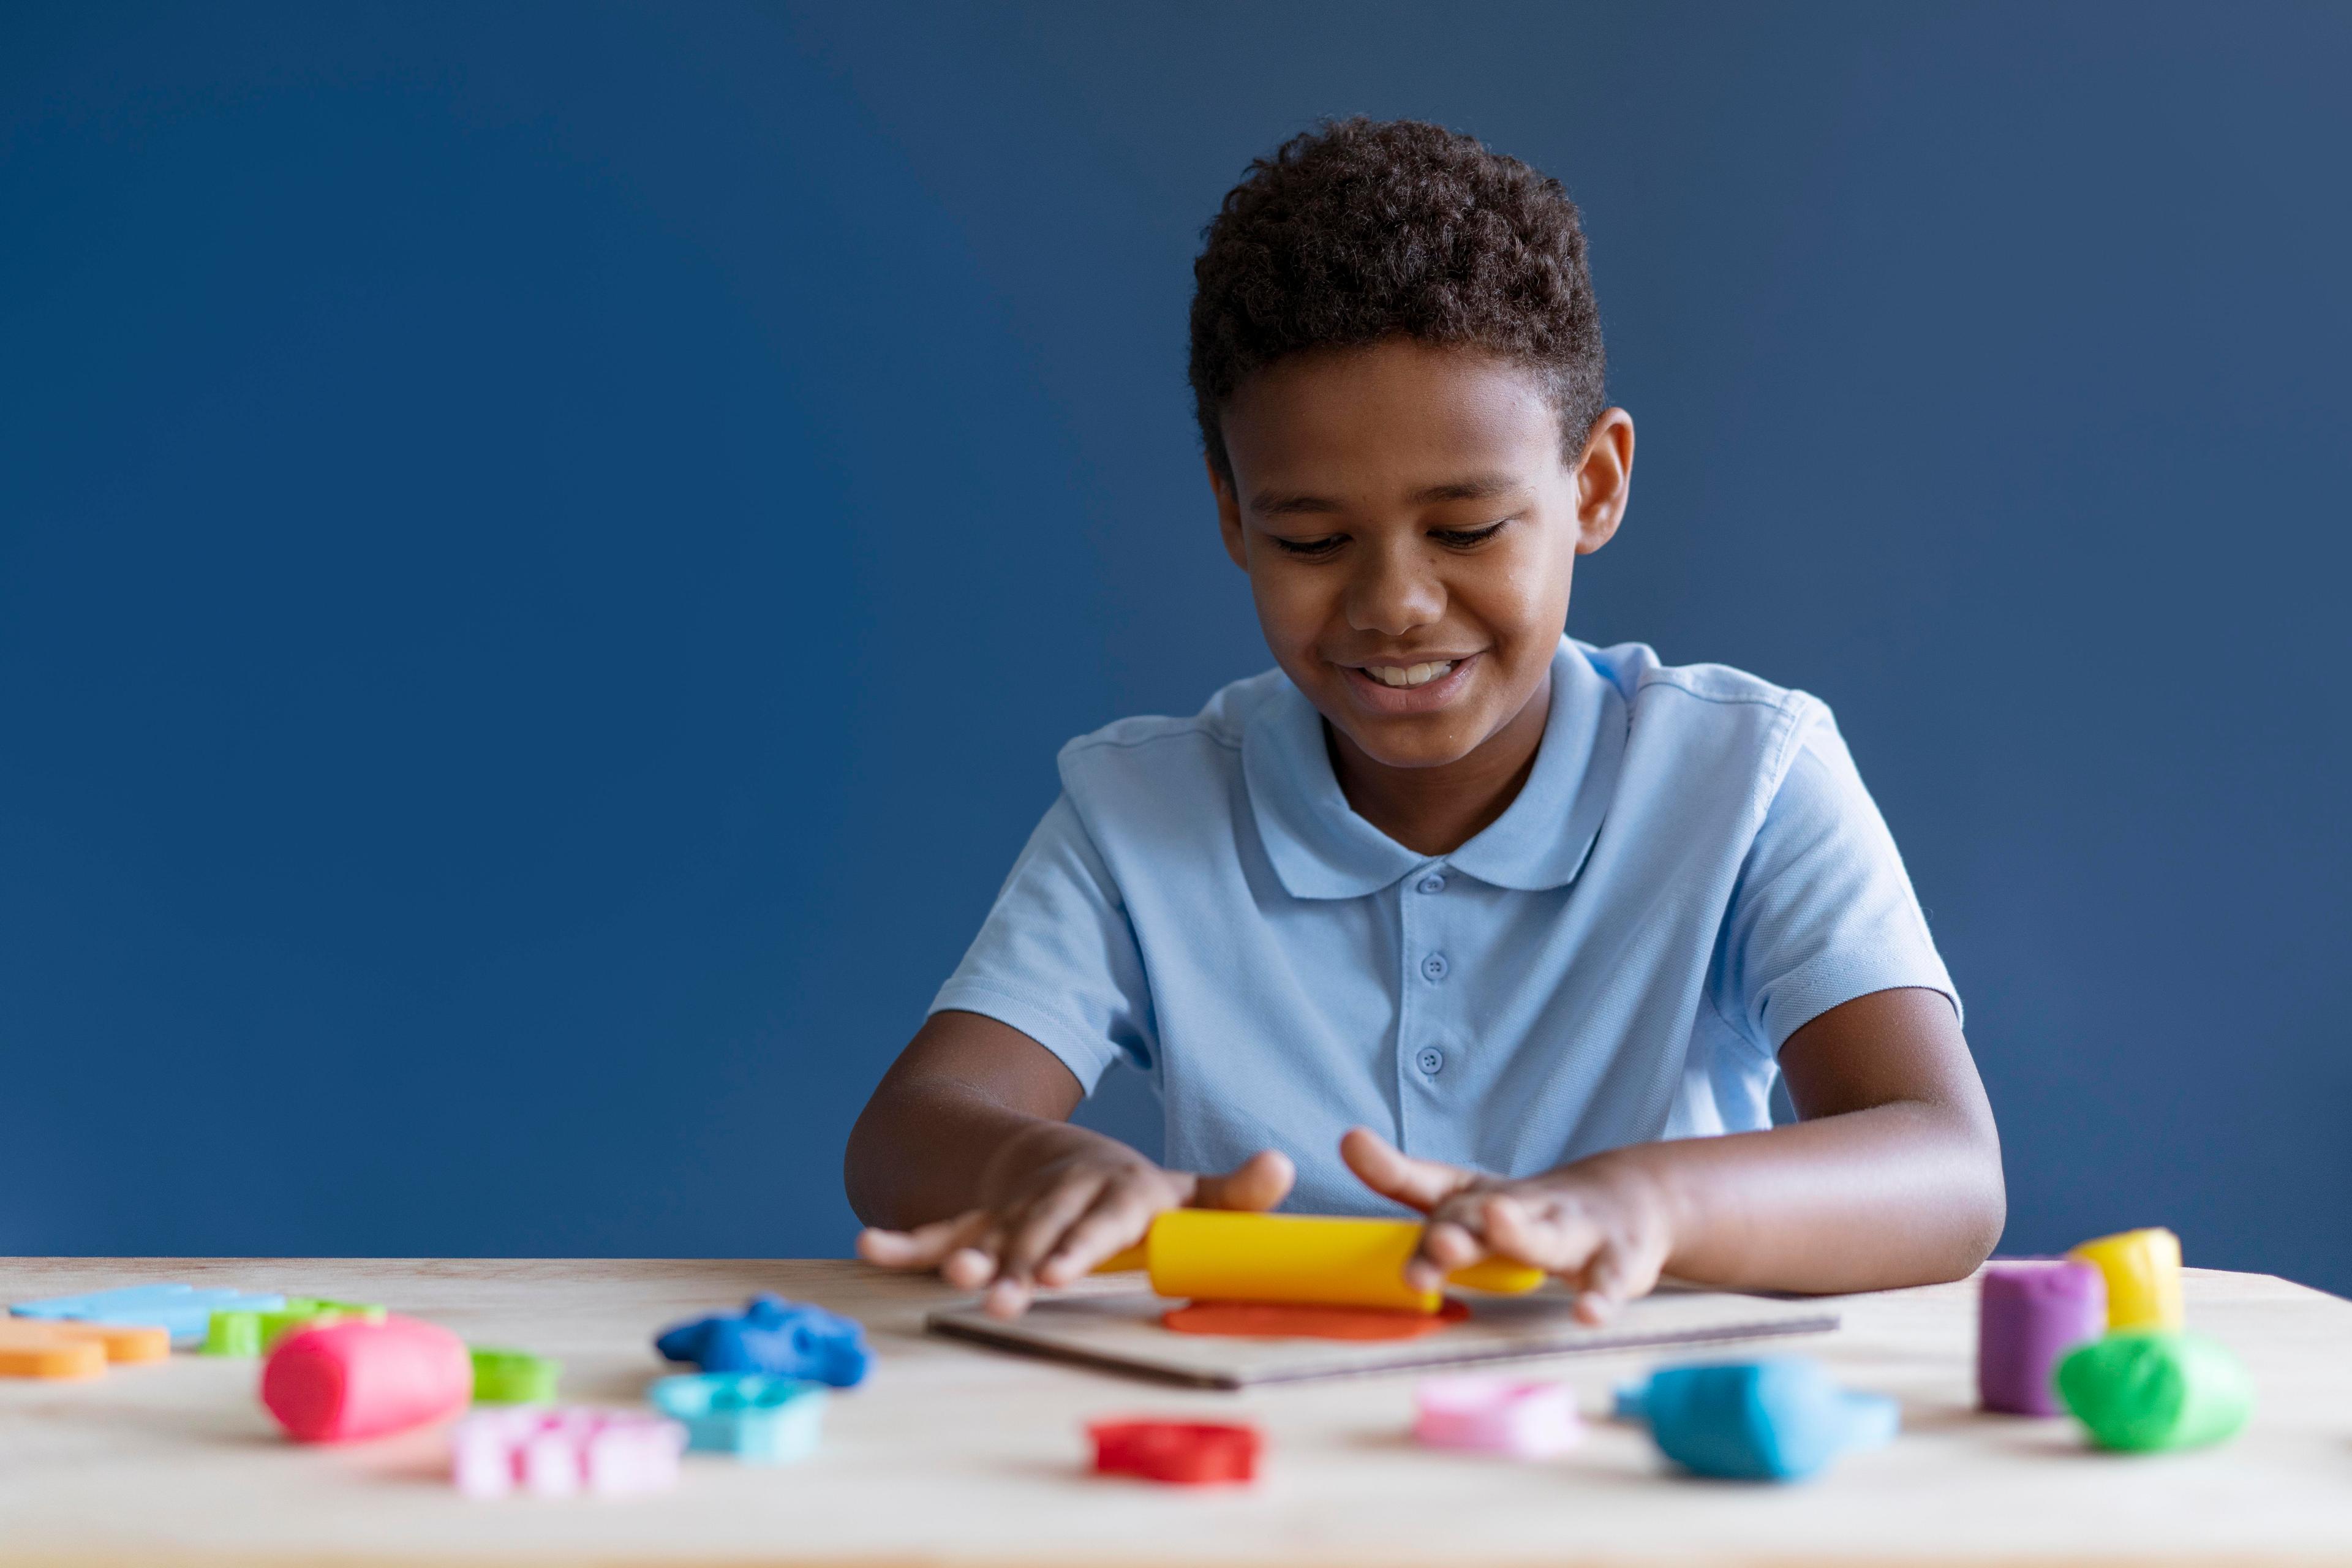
1424 741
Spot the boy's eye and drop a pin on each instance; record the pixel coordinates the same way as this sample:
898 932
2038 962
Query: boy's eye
1311 547
1463 537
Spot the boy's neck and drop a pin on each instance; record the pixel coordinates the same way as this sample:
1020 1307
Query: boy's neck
1436 811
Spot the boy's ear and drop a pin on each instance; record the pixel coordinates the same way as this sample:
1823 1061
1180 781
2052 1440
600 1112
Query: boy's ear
1604 479
1229 513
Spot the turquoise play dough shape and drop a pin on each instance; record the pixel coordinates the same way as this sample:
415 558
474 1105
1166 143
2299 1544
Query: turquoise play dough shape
1779 1420
2140 1390
759 1419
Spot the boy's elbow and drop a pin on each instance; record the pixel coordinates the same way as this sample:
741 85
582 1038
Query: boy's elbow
1981 1232
865 1165
1980 1201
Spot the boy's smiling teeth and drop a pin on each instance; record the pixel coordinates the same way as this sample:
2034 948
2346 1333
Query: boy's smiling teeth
1407 674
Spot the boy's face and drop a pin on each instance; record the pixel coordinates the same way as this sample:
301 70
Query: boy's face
1410 524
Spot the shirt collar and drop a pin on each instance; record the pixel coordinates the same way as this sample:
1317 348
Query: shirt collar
1322 850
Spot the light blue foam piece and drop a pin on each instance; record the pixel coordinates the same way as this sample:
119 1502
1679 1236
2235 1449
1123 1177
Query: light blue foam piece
182 1312
83 1307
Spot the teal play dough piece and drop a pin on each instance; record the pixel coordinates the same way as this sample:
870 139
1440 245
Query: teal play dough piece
2139 1389
759 1419
1778 1420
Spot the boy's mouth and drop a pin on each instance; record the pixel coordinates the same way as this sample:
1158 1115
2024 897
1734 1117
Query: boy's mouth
1417 687
1407 674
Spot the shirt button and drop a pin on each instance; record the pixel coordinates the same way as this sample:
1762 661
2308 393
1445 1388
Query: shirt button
1432 883
1435 966
1431 1060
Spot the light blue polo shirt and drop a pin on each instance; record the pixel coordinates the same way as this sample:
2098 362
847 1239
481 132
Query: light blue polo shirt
1692 872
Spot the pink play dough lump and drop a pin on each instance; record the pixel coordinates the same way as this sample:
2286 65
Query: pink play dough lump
356 1379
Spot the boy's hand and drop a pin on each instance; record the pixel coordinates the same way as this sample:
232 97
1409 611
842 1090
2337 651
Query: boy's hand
1057 1202
1605 1229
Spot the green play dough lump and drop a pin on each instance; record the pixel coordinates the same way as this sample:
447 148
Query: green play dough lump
2144 1389
514 1377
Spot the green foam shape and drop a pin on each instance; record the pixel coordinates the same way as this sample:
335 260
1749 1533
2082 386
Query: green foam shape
318 1306
514 1377
312 1312
233 1333
2140 1390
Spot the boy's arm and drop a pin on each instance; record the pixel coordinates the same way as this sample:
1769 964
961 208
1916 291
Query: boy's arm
964 1160
1894 1178
964 1088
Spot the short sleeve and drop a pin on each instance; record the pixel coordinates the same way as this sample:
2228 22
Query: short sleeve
1823 911
1057 958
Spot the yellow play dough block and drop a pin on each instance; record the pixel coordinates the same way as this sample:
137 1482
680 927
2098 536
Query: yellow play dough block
1220 1255
2143 1270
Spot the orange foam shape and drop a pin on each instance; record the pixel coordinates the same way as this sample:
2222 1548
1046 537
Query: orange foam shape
123 1343
37 1349
1298 1321
31 1347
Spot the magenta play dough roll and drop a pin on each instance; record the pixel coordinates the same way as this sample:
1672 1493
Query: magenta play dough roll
355 1379
2031 1315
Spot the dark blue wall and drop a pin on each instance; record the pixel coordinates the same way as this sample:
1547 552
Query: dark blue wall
545 552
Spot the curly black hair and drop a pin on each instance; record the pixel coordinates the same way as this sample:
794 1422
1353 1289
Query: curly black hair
1363 229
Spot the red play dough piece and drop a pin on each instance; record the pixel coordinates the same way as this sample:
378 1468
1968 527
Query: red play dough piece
1186 1453
356 1379
1295 1320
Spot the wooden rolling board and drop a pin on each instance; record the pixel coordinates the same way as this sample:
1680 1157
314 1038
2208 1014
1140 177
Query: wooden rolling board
1117 1330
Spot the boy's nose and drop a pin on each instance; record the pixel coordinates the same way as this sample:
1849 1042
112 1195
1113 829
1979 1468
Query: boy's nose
1391 593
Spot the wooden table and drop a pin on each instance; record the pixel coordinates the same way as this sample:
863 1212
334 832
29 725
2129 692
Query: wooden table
954 1455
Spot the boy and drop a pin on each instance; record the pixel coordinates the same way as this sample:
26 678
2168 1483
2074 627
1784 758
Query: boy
1537 924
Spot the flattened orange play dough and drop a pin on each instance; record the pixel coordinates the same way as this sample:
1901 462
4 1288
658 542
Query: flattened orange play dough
1297 1320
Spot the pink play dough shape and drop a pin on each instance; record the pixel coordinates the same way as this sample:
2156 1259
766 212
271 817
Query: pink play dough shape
562 1453
1496 1416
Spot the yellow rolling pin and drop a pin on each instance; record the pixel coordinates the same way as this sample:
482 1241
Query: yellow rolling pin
1223 1255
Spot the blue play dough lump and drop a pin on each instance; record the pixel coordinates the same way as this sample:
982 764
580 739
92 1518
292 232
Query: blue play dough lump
771 1335
1778 1420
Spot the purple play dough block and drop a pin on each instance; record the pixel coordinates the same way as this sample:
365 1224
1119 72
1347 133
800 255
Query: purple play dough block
2031 1315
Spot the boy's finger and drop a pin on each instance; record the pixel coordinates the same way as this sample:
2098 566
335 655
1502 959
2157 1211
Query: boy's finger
886 1248
1451 1244
1419 1183
970 1267
1559 1240
1037 1229
1119 1217
1006 1299
1259 1182
1607 1283
1445 1246
923 1246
